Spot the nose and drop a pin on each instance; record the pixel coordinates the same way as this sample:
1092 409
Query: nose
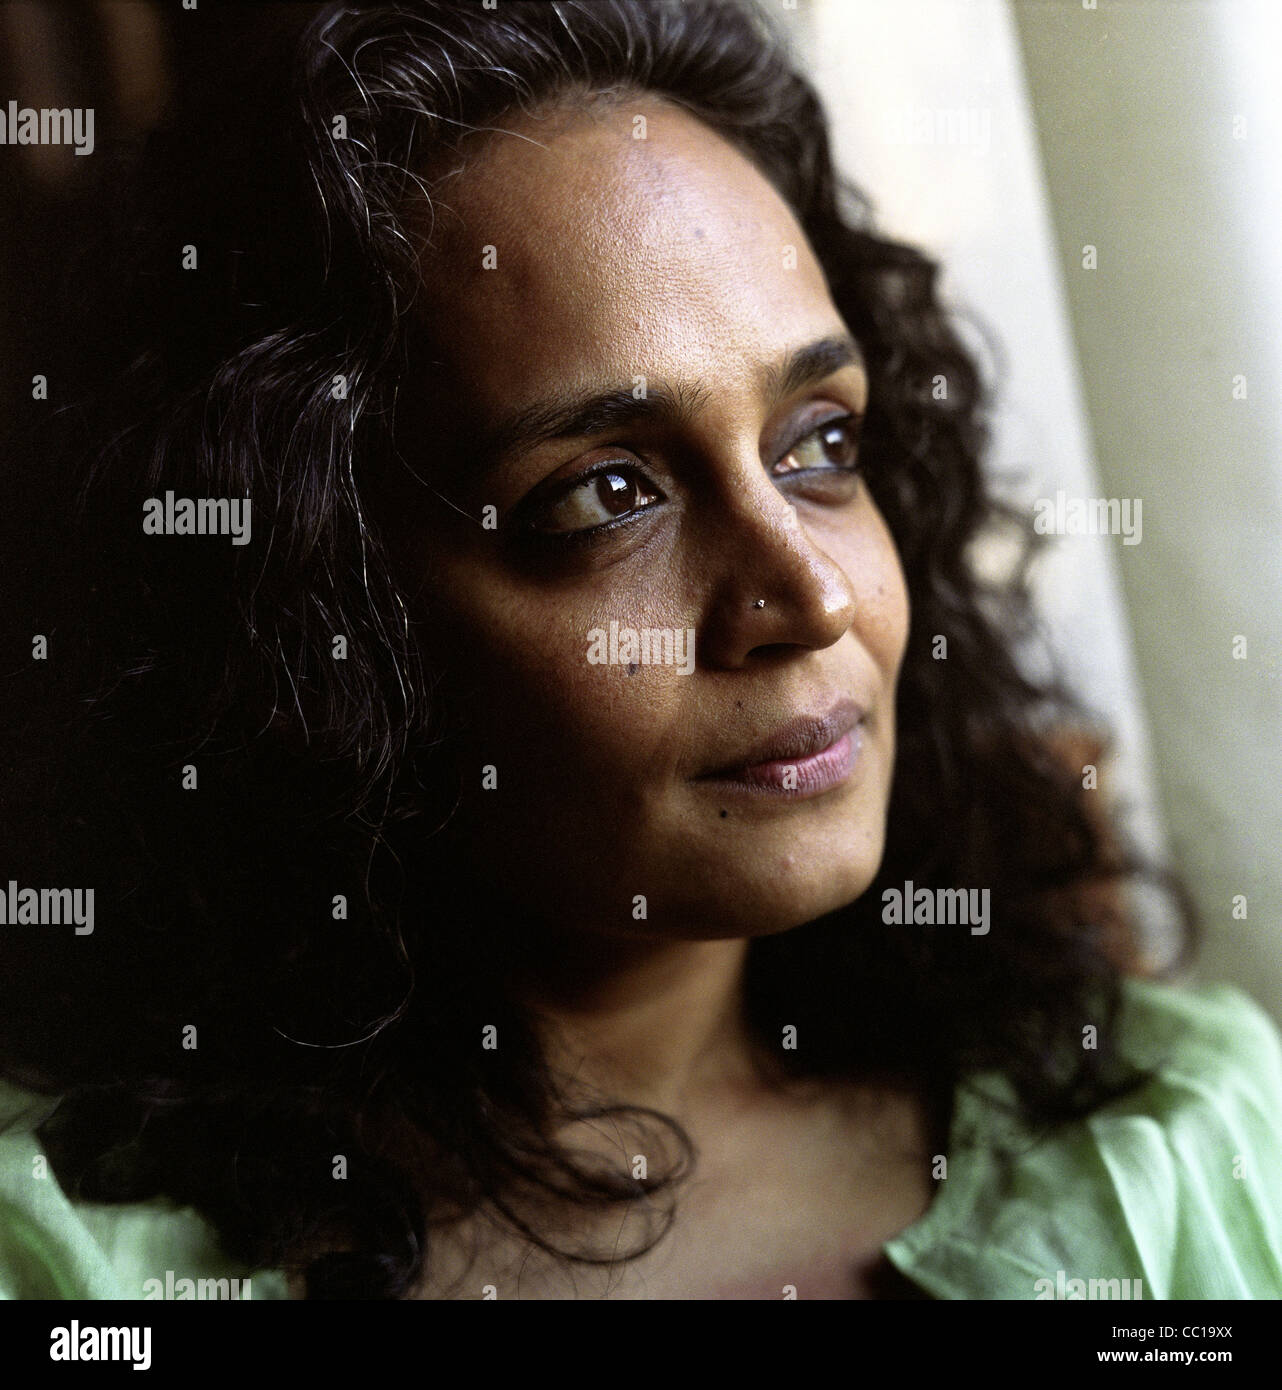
775 588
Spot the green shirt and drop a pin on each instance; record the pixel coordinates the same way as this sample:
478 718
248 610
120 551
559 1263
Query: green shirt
1173 1192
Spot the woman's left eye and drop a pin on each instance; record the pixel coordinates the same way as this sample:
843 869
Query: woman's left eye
832 447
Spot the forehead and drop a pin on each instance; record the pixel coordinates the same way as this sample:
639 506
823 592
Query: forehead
613 256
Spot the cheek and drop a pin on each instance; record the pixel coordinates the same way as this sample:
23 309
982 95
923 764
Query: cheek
518 675
866 553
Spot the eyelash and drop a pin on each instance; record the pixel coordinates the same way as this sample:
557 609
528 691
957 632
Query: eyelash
590 534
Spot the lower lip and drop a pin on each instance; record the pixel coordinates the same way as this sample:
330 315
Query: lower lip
796 778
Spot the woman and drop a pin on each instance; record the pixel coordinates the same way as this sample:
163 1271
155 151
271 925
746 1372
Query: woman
580 830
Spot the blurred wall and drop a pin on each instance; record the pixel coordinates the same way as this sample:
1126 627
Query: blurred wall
1161 132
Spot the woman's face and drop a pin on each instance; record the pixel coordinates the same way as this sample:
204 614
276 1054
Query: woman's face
687 795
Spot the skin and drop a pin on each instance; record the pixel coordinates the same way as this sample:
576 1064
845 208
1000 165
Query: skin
665 258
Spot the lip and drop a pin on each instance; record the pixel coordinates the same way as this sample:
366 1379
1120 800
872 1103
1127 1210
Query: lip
804 757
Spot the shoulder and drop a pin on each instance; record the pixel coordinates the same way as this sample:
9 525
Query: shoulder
1187 1029
1174 1191
53 1247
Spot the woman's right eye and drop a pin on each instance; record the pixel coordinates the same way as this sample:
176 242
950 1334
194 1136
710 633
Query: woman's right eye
612 493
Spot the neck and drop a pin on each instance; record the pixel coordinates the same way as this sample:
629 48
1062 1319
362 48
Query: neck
657 1023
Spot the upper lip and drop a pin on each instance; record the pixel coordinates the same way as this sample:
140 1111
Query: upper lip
800 738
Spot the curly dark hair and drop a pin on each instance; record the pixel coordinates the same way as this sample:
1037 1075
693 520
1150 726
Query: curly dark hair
358 1035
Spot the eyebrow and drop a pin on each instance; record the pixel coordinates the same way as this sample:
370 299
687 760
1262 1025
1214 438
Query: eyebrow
575 415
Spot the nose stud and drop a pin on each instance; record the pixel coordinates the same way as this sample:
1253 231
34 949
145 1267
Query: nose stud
760 603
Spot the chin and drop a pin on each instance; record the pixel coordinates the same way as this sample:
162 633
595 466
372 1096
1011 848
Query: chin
755 905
